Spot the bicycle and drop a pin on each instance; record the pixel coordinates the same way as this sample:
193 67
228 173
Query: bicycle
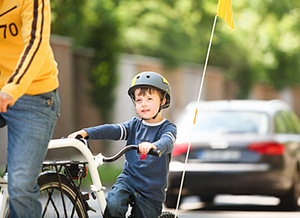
61 179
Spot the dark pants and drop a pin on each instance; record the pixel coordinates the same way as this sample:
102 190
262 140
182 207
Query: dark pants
122 194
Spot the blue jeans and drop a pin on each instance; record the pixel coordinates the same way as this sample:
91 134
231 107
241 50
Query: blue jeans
30 122
120 196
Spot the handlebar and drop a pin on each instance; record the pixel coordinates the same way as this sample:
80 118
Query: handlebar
152 151
83 140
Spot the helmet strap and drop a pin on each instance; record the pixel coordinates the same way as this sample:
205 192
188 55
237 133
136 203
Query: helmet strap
157 112
154 115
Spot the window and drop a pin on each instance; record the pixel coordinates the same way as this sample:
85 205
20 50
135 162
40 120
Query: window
225 122
286 122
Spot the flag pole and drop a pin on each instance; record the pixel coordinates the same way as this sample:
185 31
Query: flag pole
196 111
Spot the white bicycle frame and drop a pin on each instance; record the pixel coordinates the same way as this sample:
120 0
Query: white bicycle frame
93 163
86 155
3 195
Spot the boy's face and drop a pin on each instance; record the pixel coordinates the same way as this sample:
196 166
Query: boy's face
147 104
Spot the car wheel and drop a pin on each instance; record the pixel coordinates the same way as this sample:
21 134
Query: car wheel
167 214
289 201
171 201
209 199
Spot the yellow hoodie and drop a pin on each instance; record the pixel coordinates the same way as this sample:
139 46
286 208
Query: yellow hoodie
27 64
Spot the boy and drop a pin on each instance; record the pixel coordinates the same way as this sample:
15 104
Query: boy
144 177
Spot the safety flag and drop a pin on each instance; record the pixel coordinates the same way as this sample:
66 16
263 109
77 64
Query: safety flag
225 11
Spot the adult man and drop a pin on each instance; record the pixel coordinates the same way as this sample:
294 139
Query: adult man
28 83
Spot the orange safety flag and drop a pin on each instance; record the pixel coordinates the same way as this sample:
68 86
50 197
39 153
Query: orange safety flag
225 11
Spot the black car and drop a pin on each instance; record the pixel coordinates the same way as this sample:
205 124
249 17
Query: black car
239 147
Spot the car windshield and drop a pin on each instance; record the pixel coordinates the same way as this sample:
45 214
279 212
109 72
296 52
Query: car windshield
235 122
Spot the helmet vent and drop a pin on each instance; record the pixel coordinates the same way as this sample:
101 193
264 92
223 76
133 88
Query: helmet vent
148 76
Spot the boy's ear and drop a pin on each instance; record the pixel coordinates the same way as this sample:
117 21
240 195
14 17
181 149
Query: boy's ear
164 101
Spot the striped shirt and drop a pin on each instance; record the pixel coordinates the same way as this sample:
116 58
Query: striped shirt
27 64
148 174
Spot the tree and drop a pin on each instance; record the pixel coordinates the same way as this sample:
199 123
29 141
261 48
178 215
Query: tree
265 46
269 33
102 28
93 24
67 17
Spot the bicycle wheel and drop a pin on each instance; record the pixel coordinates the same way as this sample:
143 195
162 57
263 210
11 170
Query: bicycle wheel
57 204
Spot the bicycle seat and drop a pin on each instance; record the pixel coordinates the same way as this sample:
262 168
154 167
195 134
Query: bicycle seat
2 122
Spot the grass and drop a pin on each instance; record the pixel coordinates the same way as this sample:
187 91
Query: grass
108 175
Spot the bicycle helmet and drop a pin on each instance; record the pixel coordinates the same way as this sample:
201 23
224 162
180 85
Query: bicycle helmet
153 80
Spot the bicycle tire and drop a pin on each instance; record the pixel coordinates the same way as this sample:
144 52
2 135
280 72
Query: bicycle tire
50 188
167 214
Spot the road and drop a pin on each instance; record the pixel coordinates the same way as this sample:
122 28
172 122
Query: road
227 206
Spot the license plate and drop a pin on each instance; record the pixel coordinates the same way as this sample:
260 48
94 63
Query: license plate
219 155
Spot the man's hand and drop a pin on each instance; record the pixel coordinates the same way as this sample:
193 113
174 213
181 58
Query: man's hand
145 147
5 101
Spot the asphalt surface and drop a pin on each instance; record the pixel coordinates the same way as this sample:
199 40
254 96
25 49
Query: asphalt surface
227 206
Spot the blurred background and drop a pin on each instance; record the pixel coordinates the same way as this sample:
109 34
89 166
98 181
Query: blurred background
100 45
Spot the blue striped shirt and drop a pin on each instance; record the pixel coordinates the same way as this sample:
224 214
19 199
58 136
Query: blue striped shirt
148 174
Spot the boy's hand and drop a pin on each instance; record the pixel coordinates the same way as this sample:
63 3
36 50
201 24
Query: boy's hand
145 147
73 135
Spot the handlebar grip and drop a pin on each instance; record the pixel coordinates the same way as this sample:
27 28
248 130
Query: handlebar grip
83 140
78 137
155 152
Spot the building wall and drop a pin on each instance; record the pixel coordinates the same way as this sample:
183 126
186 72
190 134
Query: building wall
63 53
